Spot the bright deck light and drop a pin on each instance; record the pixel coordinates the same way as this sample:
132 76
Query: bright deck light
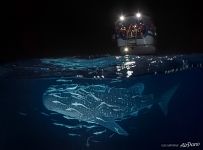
126 49
138 15
122 18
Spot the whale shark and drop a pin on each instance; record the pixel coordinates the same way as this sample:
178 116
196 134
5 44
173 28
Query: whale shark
102 104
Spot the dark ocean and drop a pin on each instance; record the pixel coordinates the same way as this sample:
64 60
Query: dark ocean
26 124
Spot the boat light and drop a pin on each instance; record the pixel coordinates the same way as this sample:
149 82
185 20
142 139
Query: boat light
126 49
138 15
122 18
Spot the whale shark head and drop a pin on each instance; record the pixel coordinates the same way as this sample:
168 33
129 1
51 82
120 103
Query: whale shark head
62 105
67 101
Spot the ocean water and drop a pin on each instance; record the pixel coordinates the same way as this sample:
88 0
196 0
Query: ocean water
27 122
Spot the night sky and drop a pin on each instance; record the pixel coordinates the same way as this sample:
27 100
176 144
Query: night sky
37 28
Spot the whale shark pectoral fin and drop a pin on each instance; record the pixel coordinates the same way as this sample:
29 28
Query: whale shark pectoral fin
111 125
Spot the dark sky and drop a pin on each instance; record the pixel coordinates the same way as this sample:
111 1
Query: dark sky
63 27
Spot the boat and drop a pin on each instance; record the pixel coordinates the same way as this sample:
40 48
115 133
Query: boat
135 34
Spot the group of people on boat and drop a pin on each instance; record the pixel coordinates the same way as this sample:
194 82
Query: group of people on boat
136 30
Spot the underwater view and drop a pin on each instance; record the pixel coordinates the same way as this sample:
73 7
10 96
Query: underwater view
110 102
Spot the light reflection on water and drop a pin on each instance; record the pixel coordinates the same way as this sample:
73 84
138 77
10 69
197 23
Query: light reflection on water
103 67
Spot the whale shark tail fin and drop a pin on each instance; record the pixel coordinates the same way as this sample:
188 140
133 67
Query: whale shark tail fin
165 99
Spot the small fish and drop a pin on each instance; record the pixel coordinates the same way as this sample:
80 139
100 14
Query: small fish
73 127
67 126
115 81
79 104
55 95
58 124
72 134
73 109
45 114
100 119
63 80
89 127
58 102
72 87
69 118
99 132
22 114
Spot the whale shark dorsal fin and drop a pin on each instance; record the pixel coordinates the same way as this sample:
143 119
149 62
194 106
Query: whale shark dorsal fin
110 124
165 99
137 88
